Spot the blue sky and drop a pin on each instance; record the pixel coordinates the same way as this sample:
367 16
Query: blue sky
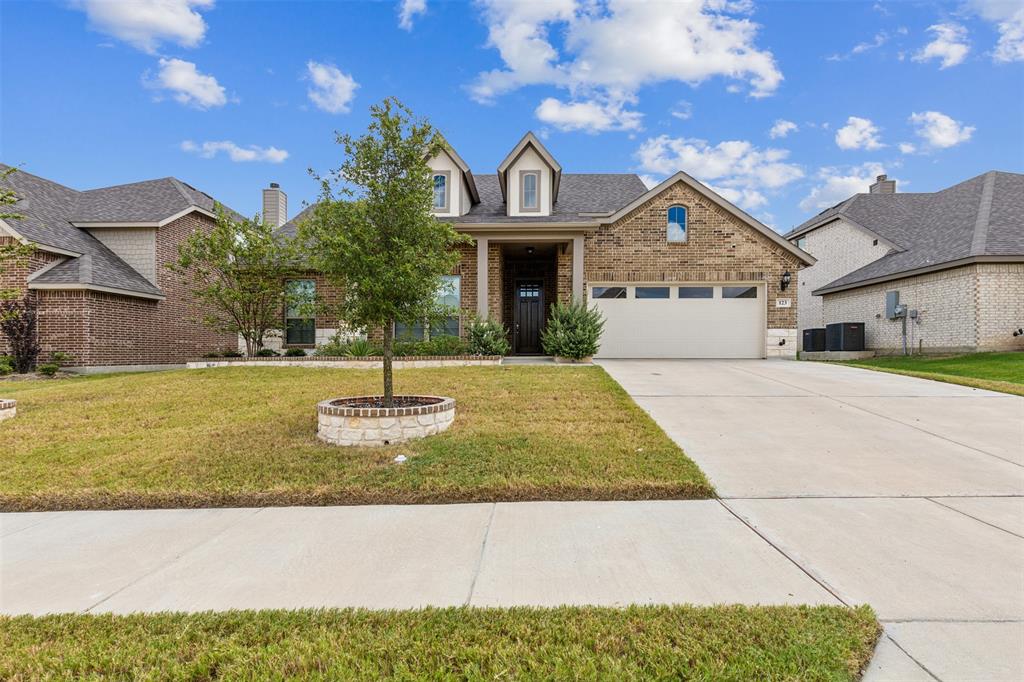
783 107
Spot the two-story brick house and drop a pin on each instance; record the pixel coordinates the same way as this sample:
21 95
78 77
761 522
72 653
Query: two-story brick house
97 271
677 270
954 257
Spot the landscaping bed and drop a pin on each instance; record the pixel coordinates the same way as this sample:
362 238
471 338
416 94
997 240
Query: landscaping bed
649 642
1002 372
246 436
348 362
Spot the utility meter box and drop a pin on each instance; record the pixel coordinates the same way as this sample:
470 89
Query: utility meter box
892 304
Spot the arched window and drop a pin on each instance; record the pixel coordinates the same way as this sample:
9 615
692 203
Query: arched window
676 231
441 190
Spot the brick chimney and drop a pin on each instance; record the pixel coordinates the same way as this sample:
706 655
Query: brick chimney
275 206
883 186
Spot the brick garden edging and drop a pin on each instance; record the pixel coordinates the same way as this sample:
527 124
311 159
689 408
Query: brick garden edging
340 424
8 408
374 362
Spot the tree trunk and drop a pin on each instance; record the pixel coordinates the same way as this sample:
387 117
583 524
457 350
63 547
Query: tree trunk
249 350
389 351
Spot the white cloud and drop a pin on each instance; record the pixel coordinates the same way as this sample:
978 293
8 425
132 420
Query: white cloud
408 10
332 90
736 169
1008 16
838 184
187 85
907 148
782 128
611 50
650 182
683 110
208 150
591 116
146 24
858 133
950 45
939 130
880 39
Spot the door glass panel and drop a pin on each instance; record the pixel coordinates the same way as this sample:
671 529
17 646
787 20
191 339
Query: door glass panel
696 292
529 291
609 292
652 292
739 292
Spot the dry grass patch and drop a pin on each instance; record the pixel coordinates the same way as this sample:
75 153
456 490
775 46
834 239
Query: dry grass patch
246 437
568 643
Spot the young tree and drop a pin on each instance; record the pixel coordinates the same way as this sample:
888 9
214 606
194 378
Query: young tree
373 233
18 313
11 250
237 271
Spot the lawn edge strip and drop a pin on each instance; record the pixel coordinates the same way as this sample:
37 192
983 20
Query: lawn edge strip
970 382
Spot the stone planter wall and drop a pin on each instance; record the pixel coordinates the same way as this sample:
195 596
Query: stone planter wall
339 424
8 408
413 361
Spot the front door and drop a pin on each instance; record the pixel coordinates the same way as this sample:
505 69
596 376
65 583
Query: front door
529 316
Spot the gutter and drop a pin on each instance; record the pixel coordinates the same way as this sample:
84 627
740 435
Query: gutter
903 274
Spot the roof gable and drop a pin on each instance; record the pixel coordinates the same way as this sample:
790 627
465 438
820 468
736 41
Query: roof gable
530 140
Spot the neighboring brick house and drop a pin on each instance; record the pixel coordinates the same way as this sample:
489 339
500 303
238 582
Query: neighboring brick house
955 257
98 275
677 270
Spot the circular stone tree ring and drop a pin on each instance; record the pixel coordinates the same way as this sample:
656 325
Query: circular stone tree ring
361 421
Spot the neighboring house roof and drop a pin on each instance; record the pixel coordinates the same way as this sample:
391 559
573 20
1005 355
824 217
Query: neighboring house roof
978 219
51 211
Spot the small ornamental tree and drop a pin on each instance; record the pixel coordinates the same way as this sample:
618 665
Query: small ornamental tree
17 314
238 272
11 250
373 234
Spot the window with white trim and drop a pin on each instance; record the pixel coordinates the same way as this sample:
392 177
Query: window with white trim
440 191
299 320
530 191
676 229
449 295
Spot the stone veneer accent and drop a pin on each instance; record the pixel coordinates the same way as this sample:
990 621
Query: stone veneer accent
410 362
339 424
8 408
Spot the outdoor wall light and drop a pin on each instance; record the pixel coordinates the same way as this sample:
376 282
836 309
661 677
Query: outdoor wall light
786 279
529 250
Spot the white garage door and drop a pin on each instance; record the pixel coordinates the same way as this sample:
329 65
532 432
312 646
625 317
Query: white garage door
680 320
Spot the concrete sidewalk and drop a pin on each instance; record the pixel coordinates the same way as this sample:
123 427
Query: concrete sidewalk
543 553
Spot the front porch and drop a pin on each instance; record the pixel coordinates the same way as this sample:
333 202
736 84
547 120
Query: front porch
520 276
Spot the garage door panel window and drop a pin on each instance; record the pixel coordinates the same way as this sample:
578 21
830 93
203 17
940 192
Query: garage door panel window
696 292
651 292
739 292
676 231
609 292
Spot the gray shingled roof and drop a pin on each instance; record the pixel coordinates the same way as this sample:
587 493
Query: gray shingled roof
579 193
980 217
48 209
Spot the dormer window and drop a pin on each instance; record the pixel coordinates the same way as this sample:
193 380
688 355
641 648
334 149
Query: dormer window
529 190
676 231
442 181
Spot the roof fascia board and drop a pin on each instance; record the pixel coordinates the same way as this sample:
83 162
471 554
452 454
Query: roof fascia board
840 216
742 215
43 270
524 227
948 265
529 139
87 225
94 287
467 174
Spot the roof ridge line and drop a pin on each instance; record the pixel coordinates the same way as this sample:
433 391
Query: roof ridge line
980 236
181 190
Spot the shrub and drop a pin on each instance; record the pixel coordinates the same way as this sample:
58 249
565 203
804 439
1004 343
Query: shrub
48 369
61 358
295 353
5 366
443 345
266 353
212 354
360 348
18 325
407 348
574 331
231 353
487 337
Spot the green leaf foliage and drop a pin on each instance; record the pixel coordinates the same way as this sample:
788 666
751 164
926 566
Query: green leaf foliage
573 331
487 337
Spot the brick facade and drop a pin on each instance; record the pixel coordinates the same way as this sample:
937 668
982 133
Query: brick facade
965 309
719 248
106 329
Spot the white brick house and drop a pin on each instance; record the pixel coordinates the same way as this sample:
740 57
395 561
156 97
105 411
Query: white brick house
956 258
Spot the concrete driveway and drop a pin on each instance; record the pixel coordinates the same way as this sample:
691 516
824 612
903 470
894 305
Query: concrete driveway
902 493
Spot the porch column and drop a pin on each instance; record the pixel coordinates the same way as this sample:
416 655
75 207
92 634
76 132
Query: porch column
481 277
577 268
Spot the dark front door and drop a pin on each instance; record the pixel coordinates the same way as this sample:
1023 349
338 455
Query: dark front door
529 316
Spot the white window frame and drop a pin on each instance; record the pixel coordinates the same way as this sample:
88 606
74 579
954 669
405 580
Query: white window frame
523 208
686 226
447 175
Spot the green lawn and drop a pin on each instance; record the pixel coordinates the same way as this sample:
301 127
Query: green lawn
245 436
993 371
569 643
